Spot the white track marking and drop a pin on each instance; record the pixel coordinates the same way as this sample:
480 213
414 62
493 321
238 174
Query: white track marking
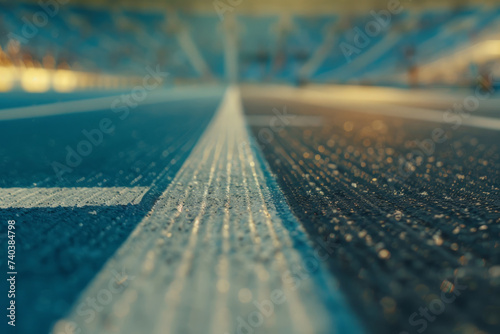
104 103
213 239
292 120
382 101
28 198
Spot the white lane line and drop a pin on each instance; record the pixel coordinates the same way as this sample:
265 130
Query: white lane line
408 112
202 227
104 103
292 120
69 197
387 103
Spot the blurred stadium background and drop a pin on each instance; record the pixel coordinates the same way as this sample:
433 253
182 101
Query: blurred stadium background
366 84
108 44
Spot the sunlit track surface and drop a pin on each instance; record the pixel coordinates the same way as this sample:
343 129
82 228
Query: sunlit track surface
68 228
400 239
219 240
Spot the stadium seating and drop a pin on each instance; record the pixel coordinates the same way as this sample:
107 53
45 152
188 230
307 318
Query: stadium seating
272 48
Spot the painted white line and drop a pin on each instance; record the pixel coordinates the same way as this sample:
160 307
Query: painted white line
380 101
213 245
104 103
421 114
29 198
292 120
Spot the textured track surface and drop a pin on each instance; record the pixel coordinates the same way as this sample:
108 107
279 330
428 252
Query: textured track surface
401 235
332 220
67 229
218 241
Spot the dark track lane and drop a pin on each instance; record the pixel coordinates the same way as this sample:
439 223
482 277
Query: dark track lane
402 231
60 249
